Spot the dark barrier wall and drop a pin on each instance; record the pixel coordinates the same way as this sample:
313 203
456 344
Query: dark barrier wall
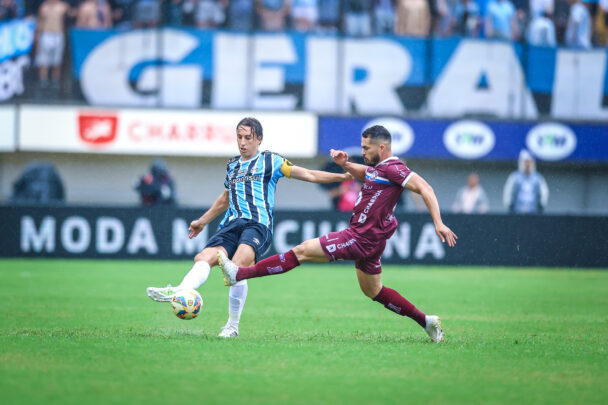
89 232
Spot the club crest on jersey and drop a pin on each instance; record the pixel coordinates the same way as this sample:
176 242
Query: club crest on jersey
372 175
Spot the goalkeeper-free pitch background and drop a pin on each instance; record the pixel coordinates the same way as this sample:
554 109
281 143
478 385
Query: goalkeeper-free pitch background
75 332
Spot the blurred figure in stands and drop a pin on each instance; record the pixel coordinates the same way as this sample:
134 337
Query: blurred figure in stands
578 31
329 16
273 14
240 15
39 183
471 199
146 14
541 31
413 18
384 16
94 14
8 10
50 40
357 18
466 18
501 20
526 191
157 187
210 13
305 14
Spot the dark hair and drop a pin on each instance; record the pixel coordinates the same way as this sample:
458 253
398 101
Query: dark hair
377 132
254 124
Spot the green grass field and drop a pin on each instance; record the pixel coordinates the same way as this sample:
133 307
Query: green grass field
75 332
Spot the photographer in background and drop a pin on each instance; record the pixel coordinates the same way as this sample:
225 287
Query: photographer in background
156 187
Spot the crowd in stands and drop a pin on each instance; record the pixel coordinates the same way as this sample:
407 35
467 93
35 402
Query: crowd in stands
573 23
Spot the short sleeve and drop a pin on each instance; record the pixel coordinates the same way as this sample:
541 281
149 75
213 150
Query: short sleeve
279 162
399 174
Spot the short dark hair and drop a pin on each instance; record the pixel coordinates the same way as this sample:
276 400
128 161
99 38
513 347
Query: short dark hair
254 124
377 132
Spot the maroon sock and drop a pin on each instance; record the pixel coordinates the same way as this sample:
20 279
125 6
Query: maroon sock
271 265
395 302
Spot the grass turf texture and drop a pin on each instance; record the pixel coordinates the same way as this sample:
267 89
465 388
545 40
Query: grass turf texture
85 332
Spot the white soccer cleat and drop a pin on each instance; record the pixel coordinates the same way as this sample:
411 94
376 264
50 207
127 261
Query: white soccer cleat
229 269
229 331
433 328
165 294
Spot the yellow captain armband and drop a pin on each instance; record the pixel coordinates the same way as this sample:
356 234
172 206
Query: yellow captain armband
286 168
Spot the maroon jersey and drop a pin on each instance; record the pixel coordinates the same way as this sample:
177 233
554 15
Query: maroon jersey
373 217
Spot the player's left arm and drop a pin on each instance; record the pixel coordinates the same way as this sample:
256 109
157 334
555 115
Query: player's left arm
419 186
313 176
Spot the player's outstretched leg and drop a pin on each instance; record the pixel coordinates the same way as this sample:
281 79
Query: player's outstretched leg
395 302
276 264
193 280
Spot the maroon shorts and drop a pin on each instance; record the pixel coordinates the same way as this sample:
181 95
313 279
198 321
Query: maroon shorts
345 245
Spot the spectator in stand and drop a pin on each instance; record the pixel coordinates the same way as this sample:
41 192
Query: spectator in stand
343 195
578 31
304 14
541 31
560 17
240 15
122 13
273 14
501 20
413 18
329 16
526 191
39 183
384 17
94 14
604 10
172 12
50 40
146 14
8 10
357 18
540 7
210 13
466 19
471 199
156 187
188 12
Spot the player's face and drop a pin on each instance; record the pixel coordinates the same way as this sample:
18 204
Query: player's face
370 152
248 143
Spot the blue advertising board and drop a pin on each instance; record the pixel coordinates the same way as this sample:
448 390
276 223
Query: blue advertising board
472 139
444 77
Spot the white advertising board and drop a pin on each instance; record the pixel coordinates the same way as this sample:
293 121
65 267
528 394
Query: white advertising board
159 132
7 129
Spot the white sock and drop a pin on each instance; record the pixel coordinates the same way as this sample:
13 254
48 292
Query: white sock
236 302
197 276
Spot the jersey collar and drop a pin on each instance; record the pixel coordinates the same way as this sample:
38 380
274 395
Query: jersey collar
386 160
249 160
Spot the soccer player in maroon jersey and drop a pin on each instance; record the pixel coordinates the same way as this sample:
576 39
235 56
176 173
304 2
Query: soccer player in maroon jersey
371 225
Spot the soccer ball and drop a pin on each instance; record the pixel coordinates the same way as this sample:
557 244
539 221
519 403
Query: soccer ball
186 304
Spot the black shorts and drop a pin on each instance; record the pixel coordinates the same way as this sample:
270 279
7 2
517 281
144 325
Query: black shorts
242 231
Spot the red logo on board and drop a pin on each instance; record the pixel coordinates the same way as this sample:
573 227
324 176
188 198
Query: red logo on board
97 128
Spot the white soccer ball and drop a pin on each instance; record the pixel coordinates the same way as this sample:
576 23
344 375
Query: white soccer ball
186 304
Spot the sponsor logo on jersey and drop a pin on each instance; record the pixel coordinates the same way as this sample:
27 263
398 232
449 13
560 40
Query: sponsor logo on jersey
551 141
331 248
282 257
254 177
274 270
257 242
345 244
97 129
468 139
401 133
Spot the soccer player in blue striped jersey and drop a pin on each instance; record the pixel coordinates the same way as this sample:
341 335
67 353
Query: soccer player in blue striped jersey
245 232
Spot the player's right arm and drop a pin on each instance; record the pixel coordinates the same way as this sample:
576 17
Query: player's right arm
355 169
219 206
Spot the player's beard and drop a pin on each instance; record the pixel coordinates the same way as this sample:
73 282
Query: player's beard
372 160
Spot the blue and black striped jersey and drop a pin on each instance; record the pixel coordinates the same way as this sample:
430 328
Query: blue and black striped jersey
251 186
